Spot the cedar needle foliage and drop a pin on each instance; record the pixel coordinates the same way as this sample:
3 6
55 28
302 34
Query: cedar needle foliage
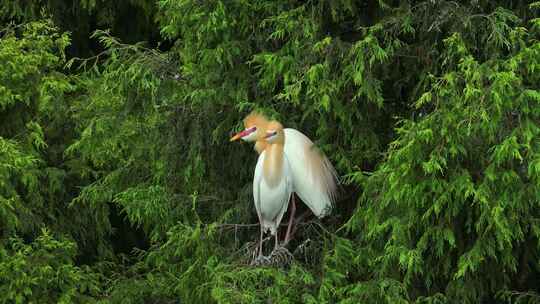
118 183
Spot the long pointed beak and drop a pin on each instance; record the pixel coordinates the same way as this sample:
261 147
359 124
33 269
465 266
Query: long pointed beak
242 134
237 136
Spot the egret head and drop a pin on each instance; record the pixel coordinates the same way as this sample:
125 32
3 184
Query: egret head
254 125
274 133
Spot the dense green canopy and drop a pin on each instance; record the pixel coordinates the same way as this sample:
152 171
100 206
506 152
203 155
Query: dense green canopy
118 183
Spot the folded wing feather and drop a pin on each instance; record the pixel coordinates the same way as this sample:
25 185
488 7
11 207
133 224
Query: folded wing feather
314 177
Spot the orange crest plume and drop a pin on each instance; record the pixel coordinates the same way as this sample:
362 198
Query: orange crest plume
256 118
273 160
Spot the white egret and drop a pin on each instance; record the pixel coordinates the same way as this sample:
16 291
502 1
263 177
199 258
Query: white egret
313 176
272 184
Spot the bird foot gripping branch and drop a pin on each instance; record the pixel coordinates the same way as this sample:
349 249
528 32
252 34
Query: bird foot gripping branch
260 260
279 257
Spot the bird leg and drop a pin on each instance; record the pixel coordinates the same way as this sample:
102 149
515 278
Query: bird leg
276 243
291 218
261 242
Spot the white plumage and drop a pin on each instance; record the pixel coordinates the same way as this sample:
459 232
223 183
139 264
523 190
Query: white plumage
313 176
288 162
271 200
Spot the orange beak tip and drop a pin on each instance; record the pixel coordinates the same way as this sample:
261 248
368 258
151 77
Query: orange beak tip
234 138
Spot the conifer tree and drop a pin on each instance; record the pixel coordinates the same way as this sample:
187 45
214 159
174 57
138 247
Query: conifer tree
118 184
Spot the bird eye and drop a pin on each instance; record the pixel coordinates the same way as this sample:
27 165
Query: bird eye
271 134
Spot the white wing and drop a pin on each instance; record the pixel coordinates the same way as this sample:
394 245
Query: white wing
257 178
271 202
313 176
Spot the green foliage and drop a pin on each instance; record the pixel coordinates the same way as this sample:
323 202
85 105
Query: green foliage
44 272
456 200
429 109
260 285
31 93
14 166
35 129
